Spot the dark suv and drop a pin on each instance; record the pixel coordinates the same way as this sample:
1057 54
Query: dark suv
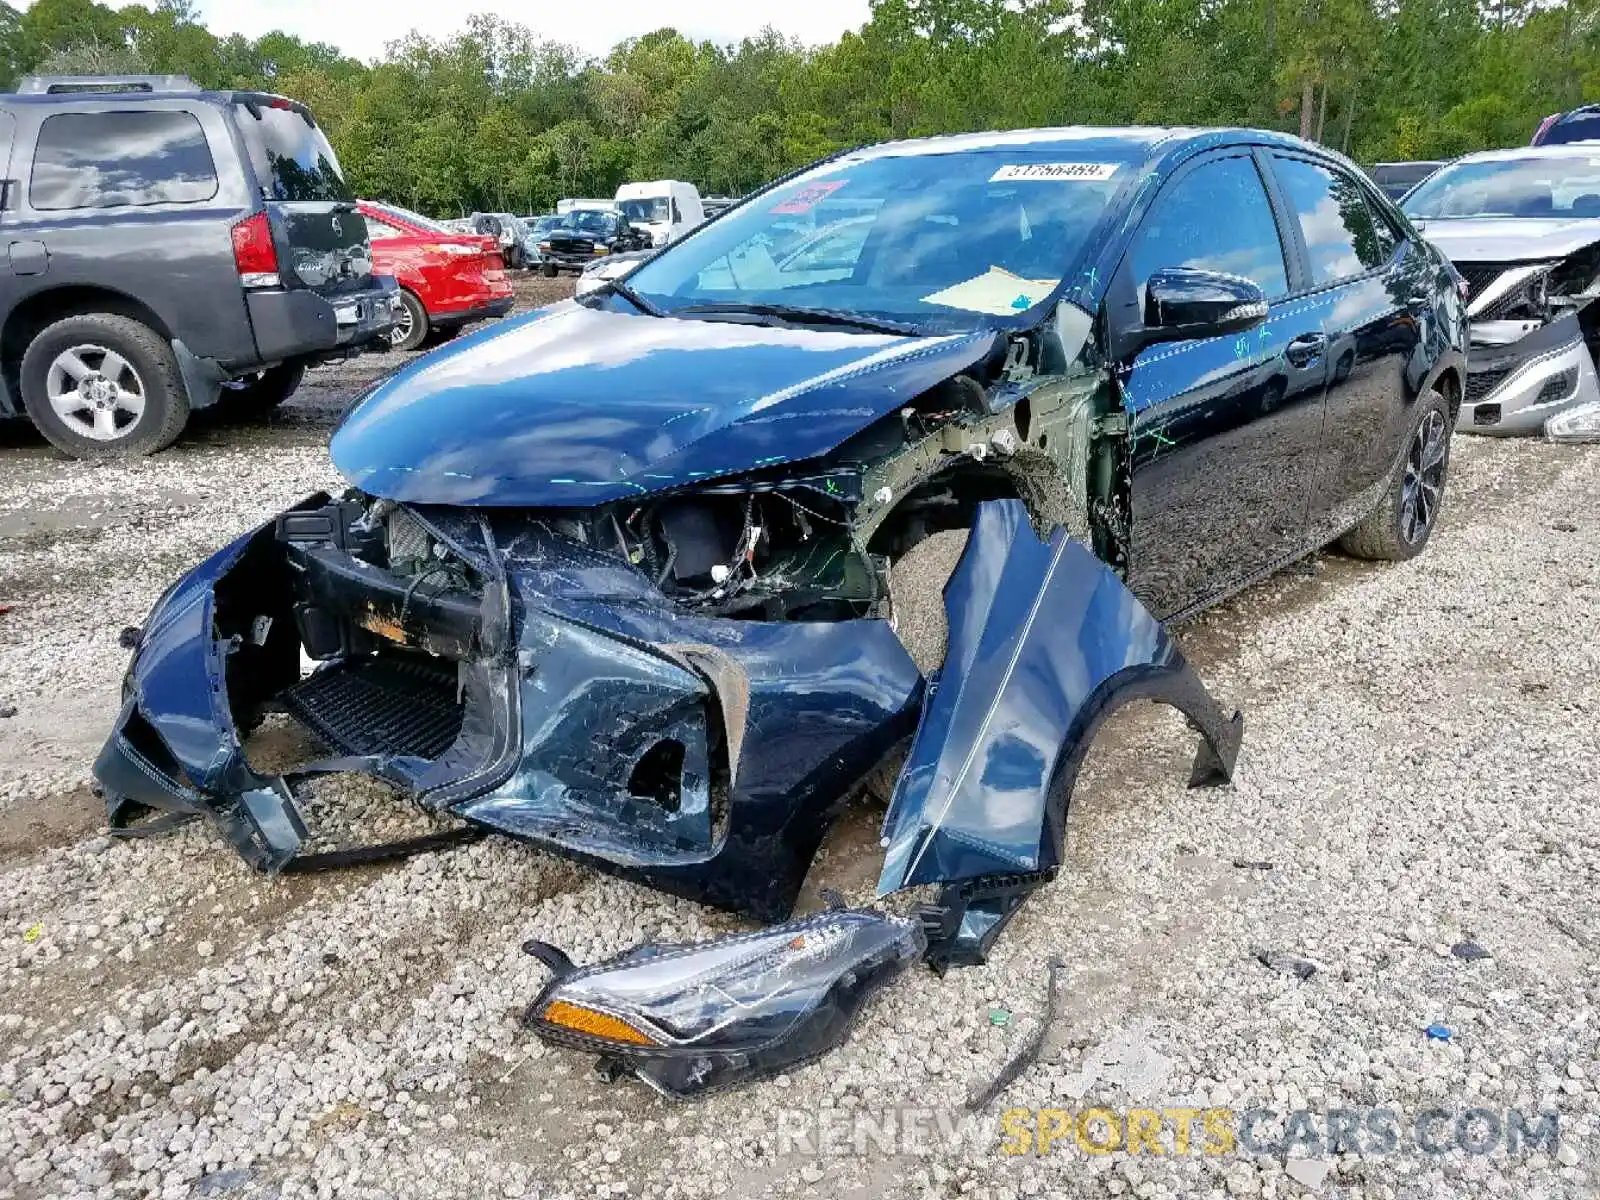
1582 124
170 247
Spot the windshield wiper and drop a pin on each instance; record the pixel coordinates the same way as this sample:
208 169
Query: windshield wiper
804 316
633 298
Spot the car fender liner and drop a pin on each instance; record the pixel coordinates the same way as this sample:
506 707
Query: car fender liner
1045 642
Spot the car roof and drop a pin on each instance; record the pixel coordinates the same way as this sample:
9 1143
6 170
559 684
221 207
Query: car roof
1141 140
1515 153
186 91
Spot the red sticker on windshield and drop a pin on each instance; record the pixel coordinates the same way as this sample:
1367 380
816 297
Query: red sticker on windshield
809 196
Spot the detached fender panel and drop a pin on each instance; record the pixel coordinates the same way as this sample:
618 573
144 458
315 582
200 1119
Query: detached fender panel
1045 642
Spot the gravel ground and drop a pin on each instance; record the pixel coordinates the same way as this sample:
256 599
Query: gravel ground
1419 770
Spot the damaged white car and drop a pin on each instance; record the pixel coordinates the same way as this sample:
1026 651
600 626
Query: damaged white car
1522 227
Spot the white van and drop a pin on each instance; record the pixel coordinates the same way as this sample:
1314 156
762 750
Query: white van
667 208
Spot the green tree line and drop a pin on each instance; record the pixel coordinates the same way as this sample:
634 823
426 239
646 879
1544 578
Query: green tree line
498 118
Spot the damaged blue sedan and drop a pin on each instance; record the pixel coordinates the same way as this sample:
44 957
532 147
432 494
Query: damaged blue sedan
617 577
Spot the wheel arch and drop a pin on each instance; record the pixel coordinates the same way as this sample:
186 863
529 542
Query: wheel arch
921 511
1450 382
44 308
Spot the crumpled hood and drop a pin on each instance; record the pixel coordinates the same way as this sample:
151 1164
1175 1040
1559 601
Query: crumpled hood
573 406
1509 239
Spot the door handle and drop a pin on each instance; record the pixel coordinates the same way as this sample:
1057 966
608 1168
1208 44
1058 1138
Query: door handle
1306 349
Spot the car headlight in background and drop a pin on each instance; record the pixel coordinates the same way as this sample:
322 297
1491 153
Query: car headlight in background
1580 423
602 249
694 1018
544 247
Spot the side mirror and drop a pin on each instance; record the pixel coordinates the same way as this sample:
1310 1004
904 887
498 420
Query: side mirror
1181 303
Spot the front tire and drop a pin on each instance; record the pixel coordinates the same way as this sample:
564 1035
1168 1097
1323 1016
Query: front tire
412 330
549 270
1403 522
100 385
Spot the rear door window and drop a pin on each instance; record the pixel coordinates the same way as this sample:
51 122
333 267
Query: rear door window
114 159
1384 229
1341 237
1215 218
291 156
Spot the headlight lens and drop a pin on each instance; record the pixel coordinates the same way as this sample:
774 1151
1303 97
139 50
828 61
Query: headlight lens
691 1018
1581 423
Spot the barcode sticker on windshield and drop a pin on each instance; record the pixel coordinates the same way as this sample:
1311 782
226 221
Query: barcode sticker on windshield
1067 171
809 196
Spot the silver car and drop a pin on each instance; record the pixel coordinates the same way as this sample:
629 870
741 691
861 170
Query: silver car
1522 227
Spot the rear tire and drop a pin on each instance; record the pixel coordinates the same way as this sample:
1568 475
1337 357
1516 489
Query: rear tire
413 328
99 385
258 396
1404 520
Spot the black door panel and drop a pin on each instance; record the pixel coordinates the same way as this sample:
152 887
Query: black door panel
1369 302
1224 431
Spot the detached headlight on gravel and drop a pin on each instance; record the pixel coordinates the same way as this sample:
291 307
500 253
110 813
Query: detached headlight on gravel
695 1018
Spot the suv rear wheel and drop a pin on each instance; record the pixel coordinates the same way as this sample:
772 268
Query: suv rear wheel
411 330
99 385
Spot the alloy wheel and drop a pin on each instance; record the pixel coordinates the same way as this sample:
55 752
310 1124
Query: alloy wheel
1423 485
95 392
402 330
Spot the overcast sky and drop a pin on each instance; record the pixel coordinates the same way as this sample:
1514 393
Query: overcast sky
361 27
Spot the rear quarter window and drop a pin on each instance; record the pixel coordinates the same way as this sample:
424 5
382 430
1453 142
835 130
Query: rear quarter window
291 156
117 159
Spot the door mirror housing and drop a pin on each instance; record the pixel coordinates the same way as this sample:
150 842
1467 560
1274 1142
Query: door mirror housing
1181 303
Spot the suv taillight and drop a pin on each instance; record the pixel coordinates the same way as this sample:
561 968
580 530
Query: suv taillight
254 255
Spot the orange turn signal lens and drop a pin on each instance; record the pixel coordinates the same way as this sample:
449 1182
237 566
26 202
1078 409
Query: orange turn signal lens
595 1024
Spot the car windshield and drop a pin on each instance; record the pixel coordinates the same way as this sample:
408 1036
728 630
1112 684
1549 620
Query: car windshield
590 220
935 240
646 209
1558 186
415 219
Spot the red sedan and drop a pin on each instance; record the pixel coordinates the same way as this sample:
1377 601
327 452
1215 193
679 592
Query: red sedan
446 278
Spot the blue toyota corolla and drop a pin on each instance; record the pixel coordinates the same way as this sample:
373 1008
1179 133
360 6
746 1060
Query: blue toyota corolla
616 577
